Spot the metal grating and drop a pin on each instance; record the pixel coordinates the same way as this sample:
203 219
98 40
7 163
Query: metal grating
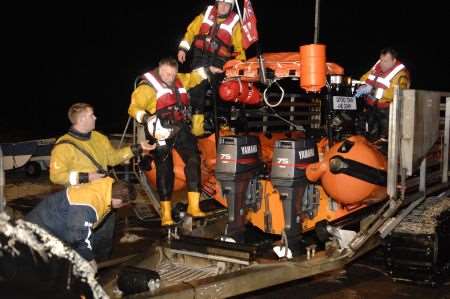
172 273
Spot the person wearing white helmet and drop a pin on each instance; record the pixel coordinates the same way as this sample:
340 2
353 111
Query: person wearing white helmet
213 37
160 102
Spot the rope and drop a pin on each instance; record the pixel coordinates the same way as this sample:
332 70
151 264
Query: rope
281 97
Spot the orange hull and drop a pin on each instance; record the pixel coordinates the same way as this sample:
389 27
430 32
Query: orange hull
271 205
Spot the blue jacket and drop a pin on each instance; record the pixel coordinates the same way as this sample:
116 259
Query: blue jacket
73 213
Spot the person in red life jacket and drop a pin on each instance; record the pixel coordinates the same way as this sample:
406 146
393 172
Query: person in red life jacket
213 37
378 87
161 103
77 215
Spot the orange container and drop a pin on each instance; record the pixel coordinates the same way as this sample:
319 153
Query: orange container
240 91
312 67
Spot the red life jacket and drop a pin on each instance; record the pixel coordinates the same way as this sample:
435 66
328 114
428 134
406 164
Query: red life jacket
382 80
216 38
171 103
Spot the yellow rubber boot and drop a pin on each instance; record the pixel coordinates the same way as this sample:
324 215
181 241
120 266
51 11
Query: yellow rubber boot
166 213
193 206
197 125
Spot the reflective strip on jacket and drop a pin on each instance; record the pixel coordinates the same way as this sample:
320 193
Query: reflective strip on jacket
171 100
229 32
383 82
73 213
145 97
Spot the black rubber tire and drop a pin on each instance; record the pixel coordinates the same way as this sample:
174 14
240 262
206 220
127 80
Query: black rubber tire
321 231
179 211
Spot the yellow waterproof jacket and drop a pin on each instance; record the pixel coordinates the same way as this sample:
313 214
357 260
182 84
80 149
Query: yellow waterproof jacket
95 195
194 29
143 98
72 214
401 79
66 161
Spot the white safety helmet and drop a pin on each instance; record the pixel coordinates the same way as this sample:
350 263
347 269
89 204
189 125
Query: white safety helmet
231 2
157 130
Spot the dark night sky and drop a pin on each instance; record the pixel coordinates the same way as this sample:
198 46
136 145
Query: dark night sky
93 53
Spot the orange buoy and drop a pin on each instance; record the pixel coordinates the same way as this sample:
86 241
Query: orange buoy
312 67
348 188
240 91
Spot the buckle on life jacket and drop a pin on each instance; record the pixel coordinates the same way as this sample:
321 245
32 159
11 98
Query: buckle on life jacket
212 47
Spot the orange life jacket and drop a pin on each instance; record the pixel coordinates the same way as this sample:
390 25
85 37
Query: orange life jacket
382 80
171 102
216 38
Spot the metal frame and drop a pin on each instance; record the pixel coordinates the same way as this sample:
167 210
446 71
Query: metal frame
446 142
152 196
2 183
386 219
393 144
251 278
294 115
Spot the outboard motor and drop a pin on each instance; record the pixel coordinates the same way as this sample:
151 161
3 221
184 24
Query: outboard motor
290 158
238 162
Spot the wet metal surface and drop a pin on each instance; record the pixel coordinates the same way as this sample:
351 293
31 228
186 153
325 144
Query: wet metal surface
357 281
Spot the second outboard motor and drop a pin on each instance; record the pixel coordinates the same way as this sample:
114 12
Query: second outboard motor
290 158
238 162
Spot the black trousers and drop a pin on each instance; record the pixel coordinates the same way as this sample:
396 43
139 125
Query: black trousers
49 216
197 94
197 97
378 120
103 237
186 145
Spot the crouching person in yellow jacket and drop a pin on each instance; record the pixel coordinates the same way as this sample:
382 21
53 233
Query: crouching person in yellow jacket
76 214
160 102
